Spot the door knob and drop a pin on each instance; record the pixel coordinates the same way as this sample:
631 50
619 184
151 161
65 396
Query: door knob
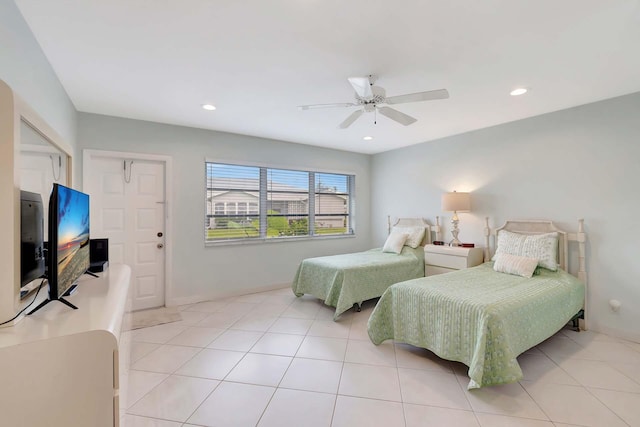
160 246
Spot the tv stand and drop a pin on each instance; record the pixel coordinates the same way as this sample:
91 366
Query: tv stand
47 301
67 293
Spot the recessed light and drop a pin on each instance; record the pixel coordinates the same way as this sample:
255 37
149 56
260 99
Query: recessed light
209 107
518 91
368 138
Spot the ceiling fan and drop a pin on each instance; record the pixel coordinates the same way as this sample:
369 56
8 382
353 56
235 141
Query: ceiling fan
369 97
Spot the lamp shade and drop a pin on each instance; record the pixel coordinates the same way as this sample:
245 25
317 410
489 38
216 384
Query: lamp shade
456 202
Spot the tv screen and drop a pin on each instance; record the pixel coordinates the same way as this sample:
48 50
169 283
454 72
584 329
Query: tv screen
32 263
68 238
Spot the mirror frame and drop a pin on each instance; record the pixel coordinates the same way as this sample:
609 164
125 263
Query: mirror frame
13 110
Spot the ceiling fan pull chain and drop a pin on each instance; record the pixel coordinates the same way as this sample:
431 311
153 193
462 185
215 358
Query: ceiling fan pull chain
375 116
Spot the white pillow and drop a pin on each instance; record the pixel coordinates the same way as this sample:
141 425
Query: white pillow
416 234
514 264
395 242
543 247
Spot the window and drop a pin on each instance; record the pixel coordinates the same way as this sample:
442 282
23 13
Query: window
248 202
332 203
287 203
229 189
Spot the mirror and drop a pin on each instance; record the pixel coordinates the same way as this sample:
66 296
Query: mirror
41 164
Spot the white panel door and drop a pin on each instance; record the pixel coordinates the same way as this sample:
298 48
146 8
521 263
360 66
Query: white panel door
128 209
145 248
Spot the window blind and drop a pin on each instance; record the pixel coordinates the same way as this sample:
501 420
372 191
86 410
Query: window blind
249 202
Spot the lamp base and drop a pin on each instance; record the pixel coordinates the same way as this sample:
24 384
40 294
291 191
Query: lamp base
455 231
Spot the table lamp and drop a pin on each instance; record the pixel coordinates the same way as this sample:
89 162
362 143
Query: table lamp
456 202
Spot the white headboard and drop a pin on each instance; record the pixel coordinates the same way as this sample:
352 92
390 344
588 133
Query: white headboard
538 227
417 222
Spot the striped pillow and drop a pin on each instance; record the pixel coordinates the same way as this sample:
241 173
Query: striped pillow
514 264
543 247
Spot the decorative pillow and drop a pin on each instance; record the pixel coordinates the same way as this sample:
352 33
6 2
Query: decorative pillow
395 242
514 264
416 234
543 247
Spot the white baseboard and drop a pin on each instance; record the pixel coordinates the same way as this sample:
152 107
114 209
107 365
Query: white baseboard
172 302
625 335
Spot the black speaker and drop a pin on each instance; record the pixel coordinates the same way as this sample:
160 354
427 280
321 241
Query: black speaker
98 255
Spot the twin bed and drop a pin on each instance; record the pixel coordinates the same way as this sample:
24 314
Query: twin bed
343 281
482 317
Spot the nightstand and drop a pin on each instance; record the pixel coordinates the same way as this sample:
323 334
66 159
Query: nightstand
444 259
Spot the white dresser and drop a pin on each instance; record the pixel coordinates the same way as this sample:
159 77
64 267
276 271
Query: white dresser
444 259
61 367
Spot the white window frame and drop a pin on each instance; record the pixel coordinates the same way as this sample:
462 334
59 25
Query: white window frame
350 214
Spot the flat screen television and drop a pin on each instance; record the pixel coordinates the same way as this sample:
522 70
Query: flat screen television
68 246
32 259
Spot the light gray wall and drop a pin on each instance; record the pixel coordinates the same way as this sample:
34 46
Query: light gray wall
24 67
582 162
201 272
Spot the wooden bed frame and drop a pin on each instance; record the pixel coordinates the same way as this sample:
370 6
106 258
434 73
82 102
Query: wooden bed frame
546 226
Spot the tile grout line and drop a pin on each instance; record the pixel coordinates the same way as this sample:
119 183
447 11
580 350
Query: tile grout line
335 401
277 387
163 373
536 402
221 381
402 403
466 396
283 375
588 390
318 316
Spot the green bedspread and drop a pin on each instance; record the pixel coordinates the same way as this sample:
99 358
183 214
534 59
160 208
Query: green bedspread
477 316
342 280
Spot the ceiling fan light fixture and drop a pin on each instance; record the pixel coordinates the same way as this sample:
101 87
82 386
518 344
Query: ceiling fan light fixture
518 91
368 138
208 107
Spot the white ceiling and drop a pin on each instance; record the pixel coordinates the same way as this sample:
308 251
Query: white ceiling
256 60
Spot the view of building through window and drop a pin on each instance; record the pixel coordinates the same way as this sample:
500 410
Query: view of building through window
248 202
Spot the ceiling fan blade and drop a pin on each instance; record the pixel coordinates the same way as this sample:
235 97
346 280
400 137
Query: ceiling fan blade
396 115
349 120
362 86
316 106
418 96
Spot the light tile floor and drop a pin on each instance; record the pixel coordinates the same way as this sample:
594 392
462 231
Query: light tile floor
271 359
